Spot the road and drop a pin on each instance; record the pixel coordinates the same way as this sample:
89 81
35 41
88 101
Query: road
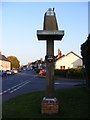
29 81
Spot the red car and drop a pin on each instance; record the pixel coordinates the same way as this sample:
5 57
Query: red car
42 72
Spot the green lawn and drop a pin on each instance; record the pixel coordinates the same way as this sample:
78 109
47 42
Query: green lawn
73 104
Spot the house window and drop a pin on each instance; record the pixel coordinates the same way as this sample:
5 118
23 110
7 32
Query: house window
62 67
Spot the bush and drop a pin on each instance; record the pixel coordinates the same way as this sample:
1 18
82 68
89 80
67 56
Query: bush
37 70
85 52
69 73
61 73
74 73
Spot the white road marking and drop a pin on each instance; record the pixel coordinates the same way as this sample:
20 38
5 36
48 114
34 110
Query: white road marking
56 83
18 86
4 91
1 93
8 89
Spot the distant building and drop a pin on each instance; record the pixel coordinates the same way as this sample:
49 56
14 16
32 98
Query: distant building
38 64
71 60
30 66
4 63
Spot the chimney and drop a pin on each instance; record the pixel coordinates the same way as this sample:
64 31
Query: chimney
59 53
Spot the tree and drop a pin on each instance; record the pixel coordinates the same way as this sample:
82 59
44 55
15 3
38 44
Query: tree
14 61
85 52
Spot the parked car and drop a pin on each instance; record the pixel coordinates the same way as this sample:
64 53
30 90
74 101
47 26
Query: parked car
42 72
10 72
15 71
3 73
19 69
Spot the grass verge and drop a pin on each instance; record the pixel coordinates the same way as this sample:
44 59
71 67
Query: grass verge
73 104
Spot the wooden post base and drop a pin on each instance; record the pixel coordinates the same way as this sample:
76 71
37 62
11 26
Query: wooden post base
49 106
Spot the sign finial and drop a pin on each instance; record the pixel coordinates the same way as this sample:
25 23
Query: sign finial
50 22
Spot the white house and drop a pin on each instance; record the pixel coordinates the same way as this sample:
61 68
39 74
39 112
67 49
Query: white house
71 60
4 63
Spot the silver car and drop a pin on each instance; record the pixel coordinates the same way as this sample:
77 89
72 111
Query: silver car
10 72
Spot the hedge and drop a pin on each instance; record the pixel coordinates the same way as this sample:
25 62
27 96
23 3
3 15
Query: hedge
70 73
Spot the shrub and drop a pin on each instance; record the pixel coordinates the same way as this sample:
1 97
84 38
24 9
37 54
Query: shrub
61 73
37 70
69 73
85 52
74 73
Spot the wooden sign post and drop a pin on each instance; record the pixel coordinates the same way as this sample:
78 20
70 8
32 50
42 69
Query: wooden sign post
50 33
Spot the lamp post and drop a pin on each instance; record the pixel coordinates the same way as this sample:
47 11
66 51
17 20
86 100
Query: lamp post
50 33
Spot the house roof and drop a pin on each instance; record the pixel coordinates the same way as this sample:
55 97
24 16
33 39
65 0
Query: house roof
74 54
56 57
39 62
2 57
68 54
